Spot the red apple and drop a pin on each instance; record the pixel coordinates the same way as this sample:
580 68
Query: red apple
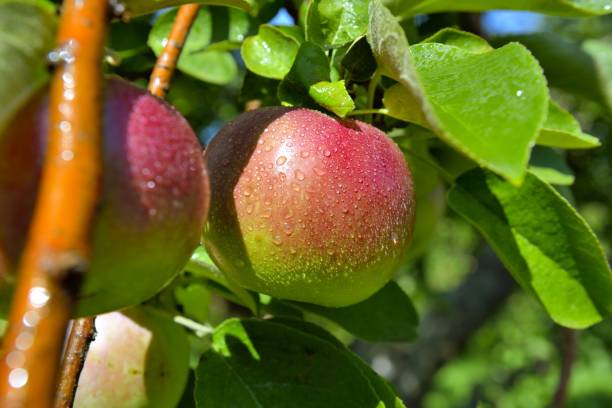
307 207
153 202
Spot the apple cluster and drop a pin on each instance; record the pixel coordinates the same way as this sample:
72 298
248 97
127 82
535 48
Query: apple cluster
288 202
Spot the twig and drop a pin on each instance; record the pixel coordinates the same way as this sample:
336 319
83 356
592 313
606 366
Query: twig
568 356
159 82
81 335
57 250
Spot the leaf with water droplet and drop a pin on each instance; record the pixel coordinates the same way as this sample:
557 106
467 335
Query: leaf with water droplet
332 96
270 53
481 117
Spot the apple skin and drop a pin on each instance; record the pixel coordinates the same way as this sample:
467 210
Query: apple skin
306 207
153 203
139 358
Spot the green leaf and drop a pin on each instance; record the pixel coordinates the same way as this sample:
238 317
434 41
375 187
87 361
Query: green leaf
487 105
561 129
27 31
582 69
556 7
358 61
385 392
333 23
255 363
388 316
310 67
462 39
270 53
332 96
544 243
194 300
402 104
135 8
550 166
230 24
215 67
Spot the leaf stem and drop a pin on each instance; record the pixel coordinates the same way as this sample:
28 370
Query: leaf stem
159 82
358 112
57 251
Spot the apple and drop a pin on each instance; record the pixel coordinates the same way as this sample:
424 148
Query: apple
153 203
306 207
139 358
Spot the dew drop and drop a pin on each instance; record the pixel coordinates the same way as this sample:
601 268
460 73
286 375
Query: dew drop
247 192
299 175
38 296
18 377
150 184
277 240
304 154
249 209
327 153
318 171
24 340
67 155
281 160
15 359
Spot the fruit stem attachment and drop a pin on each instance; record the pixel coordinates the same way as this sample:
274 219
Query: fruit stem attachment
57 250
159 82
82 333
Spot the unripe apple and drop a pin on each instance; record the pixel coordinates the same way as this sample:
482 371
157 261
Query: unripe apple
139 358
306 207
153 203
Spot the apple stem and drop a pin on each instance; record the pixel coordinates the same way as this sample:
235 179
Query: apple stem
57 250
159 82
82 333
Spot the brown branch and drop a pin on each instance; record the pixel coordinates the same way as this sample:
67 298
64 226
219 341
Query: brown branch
568 356
159 82
82 333
57 250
